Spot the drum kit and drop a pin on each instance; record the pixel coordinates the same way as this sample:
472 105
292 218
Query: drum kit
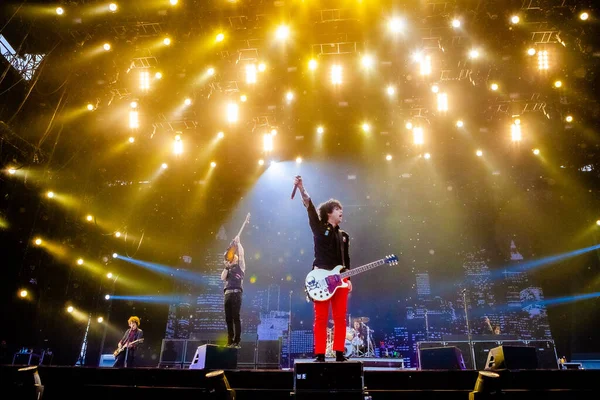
359 339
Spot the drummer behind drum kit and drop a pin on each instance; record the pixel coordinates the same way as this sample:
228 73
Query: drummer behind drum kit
355 345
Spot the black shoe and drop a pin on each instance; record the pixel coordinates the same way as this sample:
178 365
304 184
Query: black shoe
320 358
236 346
339 356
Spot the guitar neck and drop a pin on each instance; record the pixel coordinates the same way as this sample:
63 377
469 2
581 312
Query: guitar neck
362 268
243 225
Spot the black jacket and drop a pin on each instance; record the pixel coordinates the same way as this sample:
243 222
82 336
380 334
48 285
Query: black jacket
328 240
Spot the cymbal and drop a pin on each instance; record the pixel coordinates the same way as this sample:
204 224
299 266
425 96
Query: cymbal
362 319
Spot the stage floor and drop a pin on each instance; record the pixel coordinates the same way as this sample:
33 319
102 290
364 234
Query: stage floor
108 383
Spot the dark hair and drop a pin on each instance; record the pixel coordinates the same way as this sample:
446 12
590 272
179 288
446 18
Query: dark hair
327 208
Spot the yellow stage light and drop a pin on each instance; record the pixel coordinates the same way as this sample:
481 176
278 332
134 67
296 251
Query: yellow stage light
134 121
531 51
167 41
107 297
117 234
425 65
388 157
187 101
367 61
460 124
90 107
298 160
23 293
100 320
336 74
178 146
494 86
80 261
220 135
479 153
515 19
409 125
273 132
515 132
145 80
131 139
173 2
456 23
598 222
38 242
390 90
243 98
50 195
109 275
312 64
396 25
70 309
115 255
366 127
543 63
418 135
164 166
158 75
133 104
262 67
213 164
442 101
557 84
569 118
220 37
232 112
267 142
250 73
89 218
320 129
210 71
427 156
112 7
435 88
60 10
106 46
473 54
536 151
261 162
282 33
289 96
584 16
12 171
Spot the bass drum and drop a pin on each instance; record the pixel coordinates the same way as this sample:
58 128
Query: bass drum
348 349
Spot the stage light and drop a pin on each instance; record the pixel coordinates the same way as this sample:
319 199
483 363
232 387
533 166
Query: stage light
366 127
115 255
262 67
131 139
100 320
117 234
133 105
543 63
312 64
80 261
134 122
158 75
494 86
442 102
569 118
106 46
515 19
435 88
390 90
109 275
479 153
367 61
70 309
557 84
473 54
173 2
89 218
232 112
584 16
273 132
531 51
164 166
220 135
107 297
38 242
320 129
187 101
336 74
536 152
178 146
517 121
50 195
460 124
598 222
112 7
488 385
409 126
515 132
456 23
427 156
243 98
23 293
267 142
210 71
425 65
418 136
60 10
250 73
388 157
396 25
145 80
167 41
282 33
213 164
261 162
289 96
220 37
90 107
12 171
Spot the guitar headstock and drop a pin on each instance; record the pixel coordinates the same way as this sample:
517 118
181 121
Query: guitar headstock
392 259
247 218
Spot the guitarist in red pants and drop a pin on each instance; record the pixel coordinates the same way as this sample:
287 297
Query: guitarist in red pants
331 250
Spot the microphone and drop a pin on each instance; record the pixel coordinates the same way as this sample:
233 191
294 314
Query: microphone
295 188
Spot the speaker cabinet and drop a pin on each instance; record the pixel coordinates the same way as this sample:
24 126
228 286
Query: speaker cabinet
447 358
210 356
328 376
464 348
511 357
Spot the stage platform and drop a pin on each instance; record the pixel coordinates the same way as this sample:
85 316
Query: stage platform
369 363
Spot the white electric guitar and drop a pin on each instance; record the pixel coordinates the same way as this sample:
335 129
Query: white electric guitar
321 284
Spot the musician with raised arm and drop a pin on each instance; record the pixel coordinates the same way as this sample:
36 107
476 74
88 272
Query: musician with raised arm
125 353
233 276
331 249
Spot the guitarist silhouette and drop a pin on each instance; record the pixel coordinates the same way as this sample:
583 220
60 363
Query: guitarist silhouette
132 337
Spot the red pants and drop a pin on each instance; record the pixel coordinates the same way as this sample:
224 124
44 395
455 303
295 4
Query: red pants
339 306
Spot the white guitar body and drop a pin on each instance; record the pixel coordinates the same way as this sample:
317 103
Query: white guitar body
321 284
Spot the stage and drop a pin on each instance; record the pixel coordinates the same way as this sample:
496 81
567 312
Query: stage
107 383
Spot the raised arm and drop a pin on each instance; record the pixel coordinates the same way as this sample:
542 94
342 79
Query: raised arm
313 217
225 272
241 259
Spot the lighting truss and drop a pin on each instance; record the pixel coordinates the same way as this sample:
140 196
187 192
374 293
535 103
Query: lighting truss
25 65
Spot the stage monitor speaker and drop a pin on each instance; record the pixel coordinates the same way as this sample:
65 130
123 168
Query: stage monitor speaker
511 357
464 348
210 356
172 351
330 377
268 354
448 358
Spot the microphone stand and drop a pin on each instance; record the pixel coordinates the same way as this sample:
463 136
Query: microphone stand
289 338
426 327
469 336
